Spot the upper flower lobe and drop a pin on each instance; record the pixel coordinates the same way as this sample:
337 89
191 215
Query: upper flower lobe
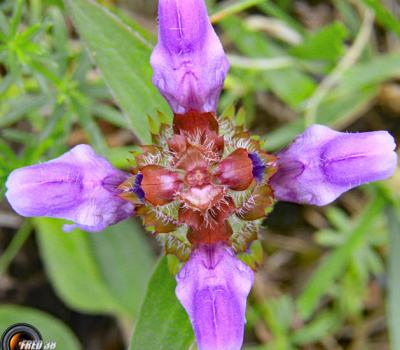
79 186
189 62
213 287
322 163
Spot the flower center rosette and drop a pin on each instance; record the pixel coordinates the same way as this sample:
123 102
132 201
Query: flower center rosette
205 180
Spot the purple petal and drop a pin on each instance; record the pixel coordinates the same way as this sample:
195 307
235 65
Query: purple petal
213 288
322 163
79 186
189 62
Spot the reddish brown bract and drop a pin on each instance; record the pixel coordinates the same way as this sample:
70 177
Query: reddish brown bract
198 182
236 170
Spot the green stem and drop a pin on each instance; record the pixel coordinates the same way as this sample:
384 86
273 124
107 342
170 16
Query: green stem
16 244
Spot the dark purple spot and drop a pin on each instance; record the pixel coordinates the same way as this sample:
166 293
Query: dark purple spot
258 166
137 189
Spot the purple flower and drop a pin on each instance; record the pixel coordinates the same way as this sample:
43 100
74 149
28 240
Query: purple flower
189 62
79 186
213 287
322 163
205 175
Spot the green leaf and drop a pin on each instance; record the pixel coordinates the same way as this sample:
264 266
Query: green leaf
337 112
326 44
126 261
103 272
370 73
9 252
16 17
122 55
273 10
49 327
118 156
347 101
334 264
92 130
279 313
60 37
163 323
17 108
232 9
290 84
324 324
109 114
384 16
348 15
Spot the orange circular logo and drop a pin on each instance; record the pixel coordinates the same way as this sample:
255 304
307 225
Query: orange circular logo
18 336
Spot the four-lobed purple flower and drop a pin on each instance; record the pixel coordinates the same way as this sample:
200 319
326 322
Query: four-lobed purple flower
189 70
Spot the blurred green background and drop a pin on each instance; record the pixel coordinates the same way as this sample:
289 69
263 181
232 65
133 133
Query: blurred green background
79 73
